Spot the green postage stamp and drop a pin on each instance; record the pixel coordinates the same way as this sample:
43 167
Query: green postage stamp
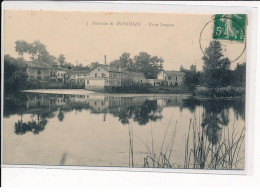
229 27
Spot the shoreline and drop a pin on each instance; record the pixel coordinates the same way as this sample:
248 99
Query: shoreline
88 92
83 91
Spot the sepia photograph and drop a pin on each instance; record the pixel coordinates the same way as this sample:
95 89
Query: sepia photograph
122 89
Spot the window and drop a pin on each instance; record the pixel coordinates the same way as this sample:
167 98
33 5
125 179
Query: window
113 75
103 75
98 69
176 78
95 74
39 72
87 81
58 74
169 77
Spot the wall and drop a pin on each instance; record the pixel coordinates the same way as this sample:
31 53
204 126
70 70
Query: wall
161 75
33 73
114 83
61 73
173 80
139 80
95 82
98 71
45 74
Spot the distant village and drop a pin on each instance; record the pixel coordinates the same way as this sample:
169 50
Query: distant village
142 73
99 76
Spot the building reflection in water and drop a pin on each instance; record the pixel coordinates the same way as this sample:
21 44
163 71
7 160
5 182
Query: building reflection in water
141 109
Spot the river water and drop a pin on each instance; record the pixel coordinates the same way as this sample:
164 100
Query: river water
94 129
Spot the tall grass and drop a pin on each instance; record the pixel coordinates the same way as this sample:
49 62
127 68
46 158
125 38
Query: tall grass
163 159
224 155
199 152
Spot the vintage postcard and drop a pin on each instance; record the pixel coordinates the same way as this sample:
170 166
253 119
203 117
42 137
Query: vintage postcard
122 89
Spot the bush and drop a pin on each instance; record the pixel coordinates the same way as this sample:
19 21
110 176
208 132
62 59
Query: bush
36 84
222 93
127 89
144 89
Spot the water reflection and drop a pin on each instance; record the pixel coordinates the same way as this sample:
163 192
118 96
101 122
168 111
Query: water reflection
216 114
140 109
152 131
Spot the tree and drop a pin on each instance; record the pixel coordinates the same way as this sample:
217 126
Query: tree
149 65
80 67
35 49
239 75
15 77
124 62
216 68
61 59
22 47
94 64
182 69
191 77
115 63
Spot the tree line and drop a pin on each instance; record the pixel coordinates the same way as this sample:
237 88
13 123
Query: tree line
143 62
149 65
216 71
37 51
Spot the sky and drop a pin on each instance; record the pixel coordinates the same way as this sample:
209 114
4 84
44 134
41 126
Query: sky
86 37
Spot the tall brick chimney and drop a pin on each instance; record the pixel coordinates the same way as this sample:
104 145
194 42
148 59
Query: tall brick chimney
105 58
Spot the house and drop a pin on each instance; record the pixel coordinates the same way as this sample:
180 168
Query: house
136 77
155 82
78 76
39 70
171 78
103 75
63 74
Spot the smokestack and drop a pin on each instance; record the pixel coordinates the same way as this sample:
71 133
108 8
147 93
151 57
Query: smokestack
105 57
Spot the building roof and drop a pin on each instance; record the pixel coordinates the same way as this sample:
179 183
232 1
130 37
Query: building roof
112 68
174 73
135 74
64 69
80 72
38 64
100 65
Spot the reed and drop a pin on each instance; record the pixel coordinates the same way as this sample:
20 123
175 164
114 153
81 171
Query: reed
163 158
224 155
200 152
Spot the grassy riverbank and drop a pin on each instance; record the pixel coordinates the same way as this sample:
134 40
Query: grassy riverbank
53 85
146 90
